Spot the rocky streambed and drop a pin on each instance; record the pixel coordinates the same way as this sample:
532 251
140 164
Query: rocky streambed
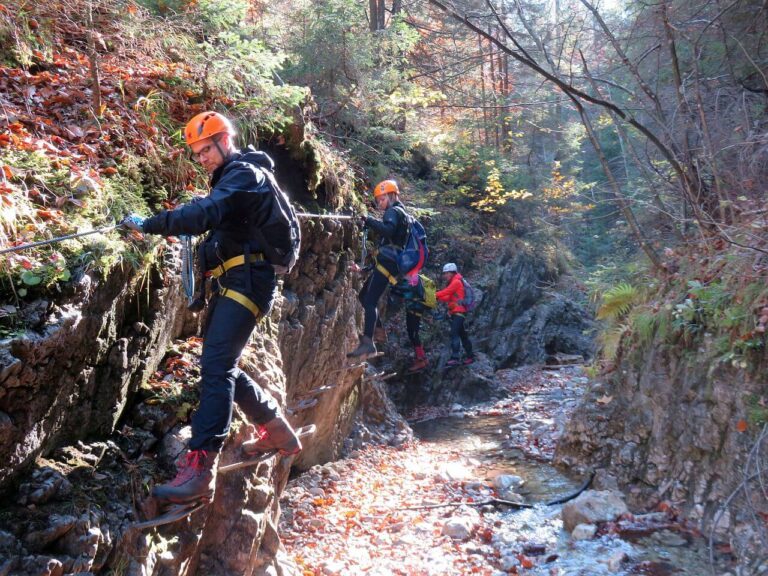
469 496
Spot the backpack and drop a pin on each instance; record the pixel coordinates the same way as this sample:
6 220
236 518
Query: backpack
280 235
469 301
414 254
428 290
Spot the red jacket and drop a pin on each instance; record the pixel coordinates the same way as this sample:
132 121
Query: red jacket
452 294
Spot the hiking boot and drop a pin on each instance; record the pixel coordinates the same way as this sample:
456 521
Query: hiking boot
453 362
365 348
418 365
195 480
380 335
469 360
276 434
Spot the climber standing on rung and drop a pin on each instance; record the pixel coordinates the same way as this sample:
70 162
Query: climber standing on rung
243 208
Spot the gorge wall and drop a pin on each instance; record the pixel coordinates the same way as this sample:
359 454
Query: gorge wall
673 423
81 449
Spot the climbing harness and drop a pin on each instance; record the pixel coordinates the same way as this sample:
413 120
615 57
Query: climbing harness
187 268
57 239
387 274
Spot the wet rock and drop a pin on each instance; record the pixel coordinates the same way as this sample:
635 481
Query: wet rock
458 528
584 532
462 524
505 481
615 560
57 526
593 506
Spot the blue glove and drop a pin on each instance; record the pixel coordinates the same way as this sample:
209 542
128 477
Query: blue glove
133 222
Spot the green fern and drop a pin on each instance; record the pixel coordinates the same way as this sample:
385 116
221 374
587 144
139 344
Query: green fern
610 340
618 301
644 325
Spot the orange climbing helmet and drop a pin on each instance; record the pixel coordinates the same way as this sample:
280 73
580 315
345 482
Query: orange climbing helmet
205 125
386 187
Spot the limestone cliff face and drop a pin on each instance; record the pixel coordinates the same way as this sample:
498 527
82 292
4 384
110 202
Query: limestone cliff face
524 315
670 423
78 378
73 375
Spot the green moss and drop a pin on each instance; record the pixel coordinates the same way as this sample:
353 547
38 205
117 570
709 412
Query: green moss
757 410
51 200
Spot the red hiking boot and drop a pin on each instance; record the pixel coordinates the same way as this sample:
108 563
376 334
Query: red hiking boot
195 480
418 365
421 361
276 434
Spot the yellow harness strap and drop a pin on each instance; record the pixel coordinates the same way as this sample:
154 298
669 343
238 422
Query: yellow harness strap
380 268
233 262
241 299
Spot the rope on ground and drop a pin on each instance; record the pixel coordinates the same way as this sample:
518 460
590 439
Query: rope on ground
499 501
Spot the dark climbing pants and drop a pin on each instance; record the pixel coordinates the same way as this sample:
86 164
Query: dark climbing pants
459 337
227 332
413 325
374 288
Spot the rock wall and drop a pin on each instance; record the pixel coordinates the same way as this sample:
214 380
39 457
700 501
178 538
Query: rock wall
669 423
298 355
73 373
527 313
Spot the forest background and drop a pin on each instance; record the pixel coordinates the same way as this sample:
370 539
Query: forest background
629 139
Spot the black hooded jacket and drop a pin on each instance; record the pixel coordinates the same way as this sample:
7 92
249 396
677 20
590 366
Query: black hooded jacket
240 199
393 234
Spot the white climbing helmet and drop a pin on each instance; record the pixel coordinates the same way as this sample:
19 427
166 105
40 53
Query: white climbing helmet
450 267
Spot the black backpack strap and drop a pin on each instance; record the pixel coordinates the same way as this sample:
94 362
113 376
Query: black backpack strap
404 220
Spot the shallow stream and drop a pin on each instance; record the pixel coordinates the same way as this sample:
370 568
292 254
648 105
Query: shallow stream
533 541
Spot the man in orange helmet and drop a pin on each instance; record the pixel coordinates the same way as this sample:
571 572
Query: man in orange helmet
239 201
393 233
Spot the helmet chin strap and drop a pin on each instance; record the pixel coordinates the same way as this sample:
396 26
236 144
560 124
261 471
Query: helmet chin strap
221 152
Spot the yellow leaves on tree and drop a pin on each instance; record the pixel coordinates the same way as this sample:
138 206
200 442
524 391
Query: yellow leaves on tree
496 195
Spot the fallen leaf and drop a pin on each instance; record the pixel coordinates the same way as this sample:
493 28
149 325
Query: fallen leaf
605 399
